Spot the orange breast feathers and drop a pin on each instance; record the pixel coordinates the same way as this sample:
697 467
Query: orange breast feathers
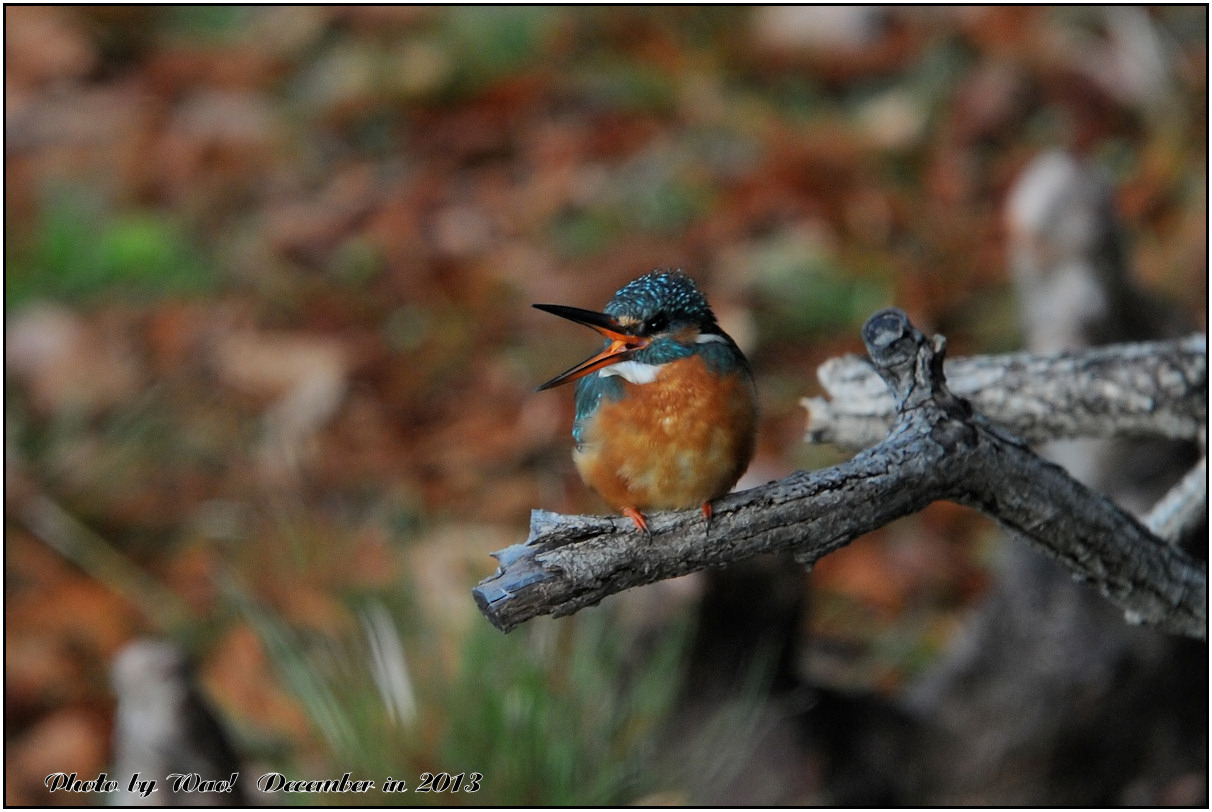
676 442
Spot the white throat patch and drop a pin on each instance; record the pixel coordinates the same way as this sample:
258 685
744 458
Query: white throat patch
633 371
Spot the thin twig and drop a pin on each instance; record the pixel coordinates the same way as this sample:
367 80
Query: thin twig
1183 507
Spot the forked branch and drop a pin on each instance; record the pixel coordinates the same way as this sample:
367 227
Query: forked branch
938 448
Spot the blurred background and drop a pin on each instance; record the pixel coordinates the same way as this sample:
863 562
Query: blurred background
270 356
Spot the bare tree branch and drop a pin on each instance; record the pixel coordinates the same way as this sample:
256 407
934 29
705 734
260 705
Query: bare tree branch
1156 389
1183 508
938 449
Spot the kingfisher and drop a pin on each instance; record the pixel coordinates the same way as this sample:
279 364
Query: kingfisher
666 412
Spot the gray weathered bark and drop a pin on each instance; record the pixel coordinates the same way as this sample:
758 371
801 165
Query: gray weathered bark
1046 697
1150 389
938 449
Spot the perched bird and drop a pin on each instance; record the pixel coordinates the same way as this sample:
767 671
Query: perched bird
666 412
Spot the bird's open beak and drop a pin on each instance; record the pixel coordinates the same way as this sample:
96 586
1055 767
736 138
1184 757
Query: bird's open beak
623 344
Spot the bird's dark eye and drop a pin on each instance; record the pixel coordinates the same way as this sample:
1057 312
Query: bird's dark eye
655 324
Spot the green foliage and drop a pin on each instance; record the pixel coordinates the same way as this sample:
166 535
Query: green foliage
490 42
76 253
560 712
208 23
797 97
624 86
563 712
657 193
807 290
580 233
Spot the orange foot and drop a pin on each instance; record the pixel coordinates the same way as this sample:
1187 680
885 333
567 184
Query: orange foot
638 518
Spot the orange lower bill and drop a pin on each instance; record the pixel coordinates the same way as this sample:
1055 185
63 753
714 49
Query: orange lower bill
622 346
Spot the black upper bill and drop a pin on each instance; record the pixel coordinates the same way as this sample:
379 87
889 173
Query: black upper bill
622 342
